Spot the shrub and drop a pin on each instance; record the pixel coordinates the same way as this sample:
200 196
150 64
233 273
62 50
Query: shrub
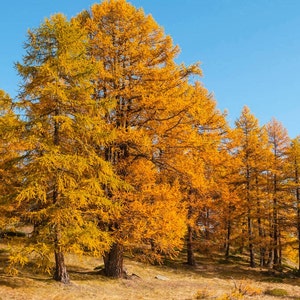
244 288
276 292
241 288
202 294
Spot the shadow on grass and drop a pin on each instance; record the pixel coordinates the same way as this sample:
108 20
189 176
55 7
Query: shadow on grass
85 275
212 265
235 267
11 282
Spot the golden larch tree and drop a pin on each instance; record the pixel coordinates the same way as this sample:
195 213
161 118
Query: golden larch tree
293 172
11 128
254 152
191 154
138 73
277 190
64 179
228 206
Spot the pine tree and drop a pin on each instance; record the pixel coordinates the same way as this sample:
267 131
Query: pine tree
62 193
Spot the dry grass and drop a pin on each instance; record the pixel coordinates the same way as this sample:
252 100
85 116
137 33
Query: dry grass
210 280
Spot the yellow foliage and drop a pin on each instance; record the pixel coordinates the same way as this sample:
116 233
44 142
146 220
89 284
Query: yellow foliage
63 176
151 118
117 146
241 289
11 130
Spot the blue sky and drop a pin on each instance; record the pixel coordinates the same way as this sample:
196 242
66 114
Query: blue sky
249 49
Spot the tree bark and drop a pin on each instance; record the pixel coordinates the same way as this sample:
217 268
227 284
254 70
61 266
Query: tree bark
270 262
249 220
60 273
262 249
298 225
227 242
298 210
250 237
190 249
113 261
276 262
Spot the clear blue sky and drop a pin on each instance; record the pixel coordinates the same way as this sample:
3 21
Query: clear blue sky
249 49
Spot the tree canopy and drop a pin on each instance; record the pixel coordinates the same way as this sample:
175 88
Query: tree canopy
112 147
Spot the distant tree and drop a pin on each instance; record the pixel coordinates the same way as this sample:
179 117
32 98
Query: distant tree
229 206
277 189
11 128
294 187
192 156
62 192
254 153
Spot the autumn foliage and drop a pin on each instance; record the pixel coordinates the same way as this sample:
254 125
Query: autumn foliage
112 147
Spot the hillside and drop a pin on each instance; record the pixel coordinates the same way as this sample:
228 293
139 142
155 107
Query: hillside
211 279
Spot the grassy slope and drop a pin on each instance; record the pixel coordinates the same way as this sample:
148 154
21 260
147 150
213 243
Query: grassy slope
211 279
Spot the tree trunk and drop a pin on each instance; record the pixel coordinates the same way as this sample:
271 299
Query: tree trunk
270 262
227 243
249 219
276 262
190 251
113 261
60 273
262 249
298 210
279 249
250 237
298 226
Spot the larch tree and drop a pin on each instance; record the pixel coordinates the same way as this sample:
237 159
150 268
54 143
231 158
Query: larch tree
229 206
277 180
191 154
11 128
62 193
294 187
137 71
253 151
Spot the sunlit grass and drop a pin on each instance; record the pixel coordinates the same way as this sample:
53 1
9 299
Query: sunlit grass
175 280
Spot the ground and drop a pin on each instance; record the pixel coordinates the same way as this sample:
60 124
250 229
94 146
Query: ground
213 278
